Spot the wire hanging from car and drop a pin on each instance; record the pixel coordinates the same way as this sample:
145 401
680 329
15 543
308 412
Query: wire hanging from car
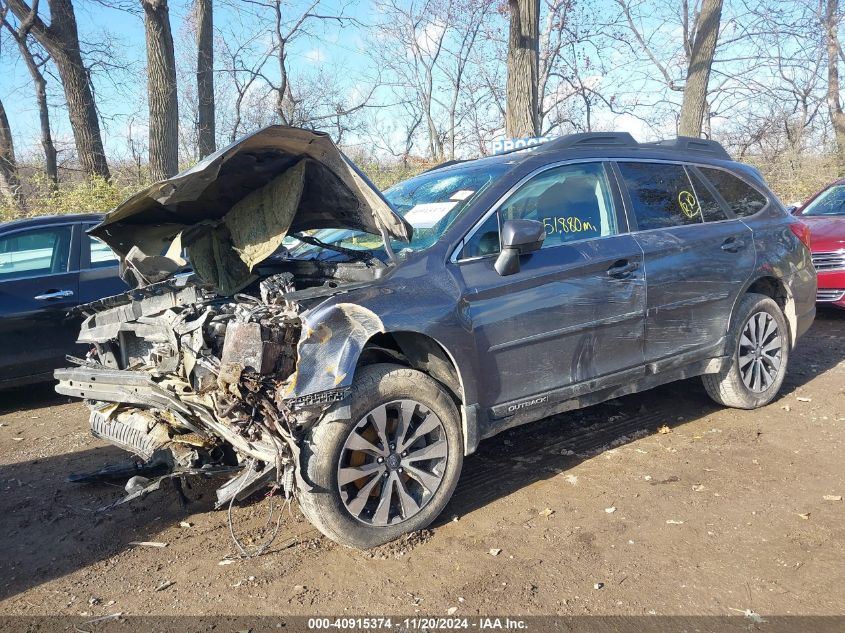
258 550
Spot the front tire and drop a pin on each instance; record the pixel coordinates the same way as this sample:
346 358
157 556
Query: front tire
759 335
389 469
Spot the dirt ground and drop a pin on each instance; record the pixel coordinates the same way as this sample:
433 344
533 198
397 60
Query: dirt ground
591 512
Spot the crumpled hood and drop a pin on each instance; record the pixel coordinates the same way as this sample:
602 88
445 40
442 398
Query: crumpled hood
234 208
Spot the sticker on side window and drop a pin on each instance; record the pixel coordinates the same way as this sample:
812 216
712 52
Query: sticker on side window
425 216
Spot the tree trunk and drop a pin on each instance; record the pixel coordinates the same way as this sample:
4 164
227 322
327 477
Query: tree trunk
50 163
61 41
698 73
522 111
834 103
161 91
10 186
205 77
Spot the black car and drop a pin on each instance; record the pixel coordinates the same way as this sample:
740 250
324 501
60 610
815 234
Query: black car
48 265
357 371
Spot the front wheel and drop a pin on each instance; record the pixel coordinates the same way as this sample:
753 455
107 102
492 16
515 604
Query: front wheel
389 469
759 336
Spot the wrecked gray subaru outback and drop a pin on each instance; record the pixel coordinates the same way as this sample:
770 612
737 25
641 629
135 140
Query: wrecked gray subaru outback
290 326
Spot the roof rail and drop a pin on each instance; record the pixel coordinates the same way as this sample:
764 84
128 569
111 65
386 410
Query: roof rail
589 140
689 144
593 140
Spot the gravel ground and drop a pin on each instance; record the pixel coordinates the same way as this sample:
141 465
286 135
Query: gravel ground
657 503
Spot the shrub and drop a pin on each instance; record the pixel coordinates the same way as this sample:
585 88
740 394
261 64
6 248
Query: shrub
94 195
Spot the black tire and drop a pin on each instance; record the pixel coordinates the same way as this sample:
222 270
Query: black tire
323 450
728 387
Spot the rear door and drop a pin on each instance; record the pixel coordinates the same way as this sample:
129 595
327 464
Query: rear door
38 285
574 311
698 257
99 270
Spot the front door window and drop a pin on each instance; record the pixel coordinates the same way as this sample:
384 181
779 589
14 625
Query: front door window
573 202
35 253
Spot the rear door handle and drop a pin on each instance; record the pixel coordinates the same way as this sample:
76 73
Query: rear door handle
622 269
55 294
733 245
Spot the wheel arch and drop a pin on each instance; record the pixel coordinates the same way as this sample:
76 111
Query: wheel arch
774 288
418 351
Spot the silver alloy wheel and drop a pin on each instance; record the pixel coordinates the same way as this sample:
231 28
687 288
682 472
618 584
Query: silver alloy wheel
392 463
760 347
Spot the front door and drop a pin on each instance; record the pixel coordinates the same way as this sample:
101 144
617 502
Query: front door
37 288
574 311
697 260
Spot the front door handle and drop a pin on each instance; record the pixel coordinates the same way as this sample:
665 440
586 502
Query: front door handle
54 294
622 269
733 245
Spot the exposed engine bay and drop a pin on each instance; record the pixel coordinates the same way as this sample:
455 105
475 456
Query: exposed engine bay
193 382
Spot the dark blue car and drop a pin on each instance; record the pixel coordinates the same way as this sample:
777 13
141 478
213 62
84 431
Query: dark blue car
389 335
48 265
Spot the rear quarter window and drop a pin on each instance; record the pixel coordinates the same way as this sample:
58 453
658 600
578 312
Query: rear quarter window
743 199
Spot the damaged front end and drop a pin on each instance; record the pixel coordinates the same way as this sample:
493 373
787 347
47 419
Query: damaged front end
181 376
224 369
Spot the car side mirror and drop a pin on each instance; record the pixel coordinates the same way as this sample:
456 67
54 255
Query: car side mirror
793 209
519 237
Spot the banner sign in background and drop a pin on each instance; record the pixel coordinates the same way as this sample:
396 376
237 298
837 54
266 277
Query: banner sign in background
509 144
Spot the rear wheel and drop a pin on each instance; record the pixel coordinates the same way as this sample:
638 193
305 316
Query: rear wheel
389 469
760 338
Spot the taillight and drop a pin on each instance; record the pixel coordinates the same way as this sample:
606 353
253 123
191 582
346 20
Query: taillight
802 232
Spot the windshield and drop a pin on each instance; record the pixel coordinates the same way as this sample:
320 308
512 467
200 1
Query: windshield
830 202
430 203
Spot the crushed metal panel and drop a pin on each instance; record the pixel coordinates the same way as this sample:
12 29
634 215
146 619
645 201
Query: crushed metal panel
331 342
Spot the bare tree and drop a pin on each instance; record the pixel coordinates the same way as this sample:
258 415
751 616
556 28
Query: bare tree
409 43
161 89
10 185
206 130
787 87
522 113
34 65
469 19
700 62
427 51
61 40
830 23
242 64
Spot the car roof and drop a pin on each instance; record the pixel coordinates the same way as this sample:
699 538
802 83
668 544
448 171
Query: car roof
43 220
610 146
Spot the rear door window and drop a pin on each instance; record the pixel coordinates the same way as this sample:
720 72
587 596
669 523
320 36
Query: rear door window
100 255
711 209
662 195
743 199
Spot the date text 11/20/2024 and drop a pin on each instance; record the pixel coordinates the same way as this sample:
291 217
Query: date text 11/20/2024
417 623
